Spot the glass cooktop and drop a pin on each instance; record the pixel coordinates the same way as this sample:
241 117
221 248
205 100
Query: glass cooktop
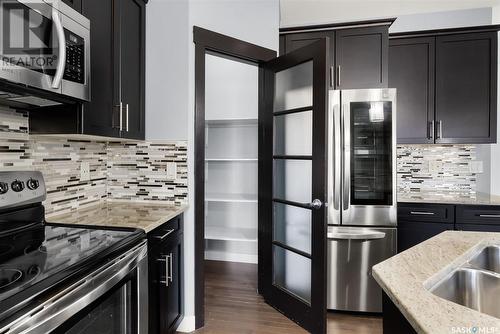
41 252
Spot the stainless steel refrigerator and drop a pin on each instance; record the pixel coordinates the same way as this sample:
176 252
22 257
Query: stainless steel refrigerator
362 215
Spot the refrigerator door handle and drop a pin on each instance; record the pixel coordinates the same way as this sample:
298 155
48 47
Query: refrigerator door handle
346 157
370 235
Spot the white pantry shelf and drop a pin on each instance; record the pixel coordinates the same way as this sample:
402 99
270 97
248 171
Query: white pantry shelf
231 122
230 233
236 198
231 159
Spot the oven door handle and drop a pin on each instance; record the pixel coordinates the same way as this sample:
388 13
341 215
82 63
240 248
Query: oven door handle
55 311
61 58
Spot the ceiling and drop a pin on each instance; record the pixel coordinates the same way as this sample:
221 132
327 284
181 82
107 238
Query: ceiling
303 12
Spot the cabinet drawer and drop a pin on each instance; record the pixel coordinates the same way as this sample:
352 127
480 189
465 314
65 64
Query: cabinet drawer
475 214
437 213
166 231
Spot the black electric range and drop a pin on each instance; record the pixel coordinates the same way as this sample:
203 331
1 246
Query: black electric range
37 257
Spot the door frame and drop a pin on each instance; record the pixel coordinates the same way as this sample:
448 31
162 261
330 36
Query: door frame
238 50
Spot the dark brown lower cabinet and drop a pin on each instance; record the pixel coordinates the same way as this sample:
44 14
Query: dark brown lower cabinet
165 277
413 232
394 321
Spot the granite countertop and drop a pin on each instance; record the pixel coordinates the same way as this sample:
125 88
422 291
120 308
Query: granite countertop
407 276
440 197
140 215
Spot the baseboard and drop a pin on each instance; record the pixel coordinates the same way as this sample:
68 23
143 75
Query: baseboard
230 257
187 325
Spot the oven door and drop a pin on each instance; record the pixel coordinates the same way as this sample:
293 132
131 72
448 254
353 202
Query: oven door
112 299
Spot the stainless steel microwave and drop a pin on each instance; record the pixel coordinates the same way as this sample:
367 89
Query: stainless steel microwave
45 53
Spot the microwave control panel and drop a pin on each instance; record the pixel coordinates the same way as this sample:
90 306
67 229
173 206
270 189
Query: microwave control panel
75 58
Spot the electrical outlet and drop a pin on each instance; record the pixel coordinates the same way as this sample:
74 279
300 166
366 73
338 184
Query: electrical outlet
84 171
171 170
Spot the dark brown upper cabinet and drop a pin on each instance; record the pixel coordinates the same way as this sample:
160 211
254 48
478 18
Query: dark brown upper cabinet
358 56
361 57
446 83
117 106
412 71
466 88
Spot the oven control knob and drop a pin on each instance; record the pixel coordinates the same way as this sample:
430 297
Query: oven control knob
17 186
32 184
4 187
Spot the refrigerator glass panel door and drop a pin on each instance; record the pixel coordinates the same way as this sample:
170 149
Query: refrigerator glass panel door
368 118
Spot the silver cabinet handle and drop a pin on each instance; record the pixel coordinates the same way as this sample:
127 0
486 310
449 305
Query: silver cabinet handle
61 60
169 275
440 130
161 237
422 213
126 117
489 216
338 75
371 235
121 115
431 130
332 77
316 204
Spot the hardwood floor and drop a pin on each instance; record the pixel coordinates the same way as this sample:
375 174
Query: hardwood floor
233 306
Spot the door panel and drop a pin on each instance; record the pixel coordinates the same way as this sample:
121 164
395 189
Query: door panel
292 244
361 57
466 81
411 72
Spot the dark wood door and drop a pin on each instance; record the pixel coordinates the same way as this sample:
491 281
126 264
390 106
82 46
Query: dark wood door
292 263
411 72
299 40
101 115
75 4
361 57
131 69
466 88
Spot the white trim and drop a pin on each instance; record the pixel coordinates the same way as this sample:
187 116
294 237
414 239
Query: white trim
187 324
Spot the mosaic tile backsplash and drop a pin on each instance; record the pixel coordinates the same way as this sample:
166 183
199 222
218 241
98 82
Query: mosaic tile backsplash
437 168
117 171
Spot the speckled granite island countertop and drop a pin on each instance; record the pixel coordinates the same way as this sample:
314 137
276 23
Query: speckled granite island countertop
144 216
407 276
439 197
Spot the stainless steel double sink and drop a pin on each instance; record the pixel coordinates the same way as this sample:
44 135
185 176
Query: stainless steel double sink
475 284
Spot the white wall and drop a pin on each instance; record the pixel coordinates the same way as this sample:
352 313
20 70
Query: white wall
303 12
167 46
170 80
495 148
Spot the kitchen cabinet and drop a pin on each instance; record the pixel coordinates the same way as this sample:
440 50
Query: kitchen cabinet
361 57
165 276
466 88
447 85
358 55
117 106
412 71
482 218
419 222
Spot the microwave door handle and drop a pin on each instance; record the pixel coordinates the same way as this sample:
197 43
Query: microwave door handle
61 58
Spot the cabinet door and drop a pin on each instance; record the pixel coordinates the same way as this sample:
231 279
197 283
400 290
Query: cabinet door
478 228
411 72
296 41
75 4
132 66
361 56
412 233
466 88
172 314
100 116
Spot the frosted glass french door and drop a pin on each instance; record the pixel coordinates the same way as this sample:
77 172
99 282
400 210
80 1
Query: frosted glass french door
293 185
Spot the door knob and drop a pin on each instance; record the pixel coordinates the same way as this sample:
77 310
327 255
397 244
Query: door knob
316 204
